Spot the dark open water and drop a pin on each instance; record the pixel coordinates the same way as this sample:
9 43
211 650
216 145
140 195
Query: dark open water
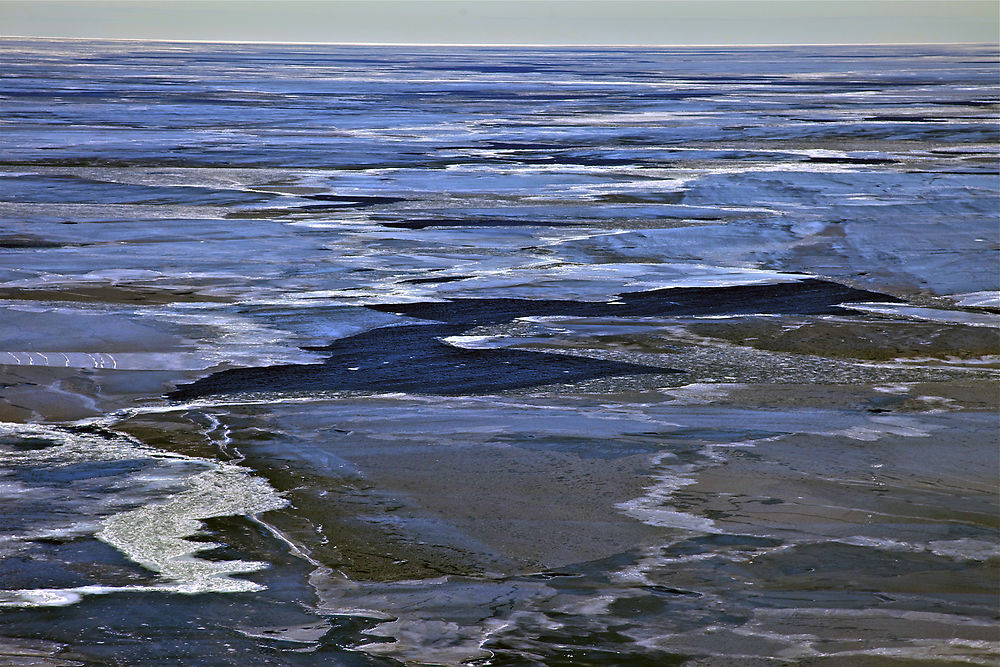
354 355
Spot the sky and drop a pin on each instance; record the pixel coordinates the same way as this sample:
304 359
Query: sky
512 21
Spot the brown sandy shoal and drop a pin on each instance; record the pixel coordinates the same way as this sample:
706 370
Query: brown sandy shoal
540 510
853 339
110 294
58 394
924 496
969 395
417 508
418 512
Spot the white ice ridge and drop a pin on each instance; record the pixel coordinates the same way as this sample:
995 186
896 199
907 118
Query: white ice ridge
928 314
988 299
653 507
153 535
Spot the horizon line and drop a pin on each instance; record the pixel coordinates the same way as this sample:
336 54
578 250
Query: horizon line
487 44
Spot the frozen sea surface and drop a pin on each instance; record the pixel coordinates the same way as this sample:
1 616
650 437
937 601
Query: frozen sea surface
498 356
